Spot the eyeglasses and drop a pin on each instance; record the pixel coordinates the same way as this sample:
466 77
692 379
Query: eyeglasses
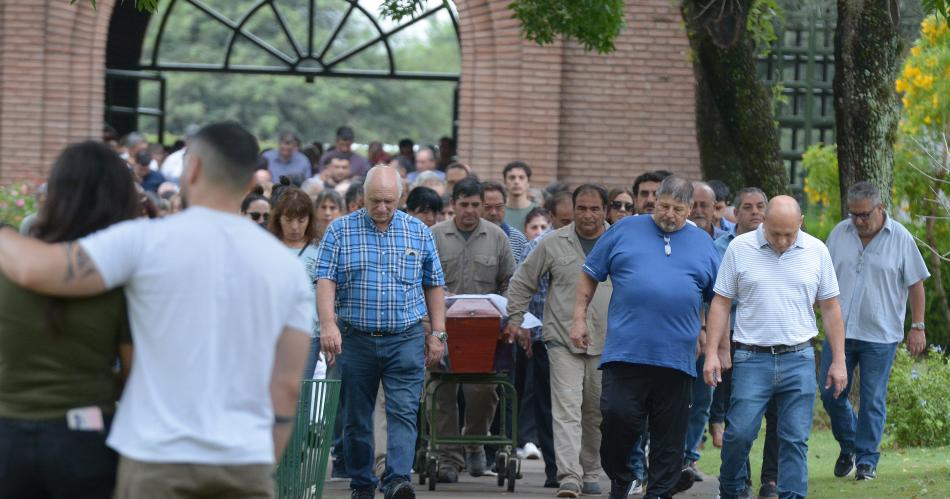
620 205
864 217
257 216
667 249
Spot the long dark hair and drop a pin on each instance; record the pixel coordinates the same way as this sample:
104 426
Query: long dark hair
89 188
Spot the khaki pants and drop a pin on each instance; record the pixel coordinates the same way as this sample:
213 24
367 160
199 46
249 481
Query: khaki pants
144 480
575 413
480 404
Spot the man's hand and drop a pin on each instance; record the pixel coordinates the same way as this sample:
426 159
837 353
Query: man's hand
837 376
524 339
725 358
330 342
916 342
511 333
580 336
434 350
712 370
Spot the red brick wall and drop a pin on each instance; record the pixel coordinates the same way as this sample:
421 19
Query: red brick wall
52 64
570 114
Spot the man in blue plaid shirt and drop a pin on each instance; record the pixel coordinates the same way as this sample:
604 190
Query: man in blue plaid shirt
378 275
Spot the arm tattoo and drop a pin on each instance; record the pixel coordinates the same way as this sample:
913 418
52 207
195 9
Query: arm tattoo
78 263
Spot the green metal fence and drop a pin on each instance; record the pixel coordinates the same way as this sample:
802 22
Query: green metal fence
303 469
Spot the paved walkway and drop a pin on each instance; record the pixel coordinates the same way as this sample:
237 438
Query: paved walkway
486 487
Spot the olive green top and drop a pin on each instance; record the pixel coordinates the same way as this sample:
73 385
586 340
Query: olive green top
44 373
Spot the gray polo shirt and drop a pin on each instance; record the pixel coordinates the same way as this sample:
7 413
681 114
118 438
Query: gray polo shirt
874 279
776 291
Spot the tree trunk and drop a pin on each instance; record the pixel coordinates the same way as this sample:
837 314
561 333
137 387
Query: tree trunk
867 59
735 122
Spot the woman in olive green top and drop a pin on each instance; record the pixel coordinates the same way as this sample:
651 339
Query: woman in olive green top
59 376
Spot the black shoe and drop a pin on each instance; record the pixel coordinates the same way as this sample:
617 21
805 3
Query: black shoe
551 483
686 481
400 489
448 474
363 493
844 464
768 490
865 472
697 476
618 489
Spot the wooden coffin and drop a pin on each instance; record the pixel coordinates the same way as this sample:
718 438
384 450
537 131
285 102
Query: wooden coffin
473 327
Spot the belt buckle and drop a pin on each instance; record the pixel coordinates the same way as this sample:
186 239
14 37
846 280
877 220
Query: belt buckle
376 334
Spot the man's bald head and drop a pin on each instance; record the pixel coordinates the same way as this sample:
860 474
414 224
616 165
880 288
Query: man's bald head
381 192
382 177
783 221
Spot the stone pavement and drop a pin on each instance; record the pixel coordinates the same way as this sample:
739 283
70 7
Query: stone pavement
486 487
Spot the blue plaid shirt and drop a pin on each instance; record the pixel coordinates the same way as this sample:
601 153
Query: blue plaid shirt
379 276
536 305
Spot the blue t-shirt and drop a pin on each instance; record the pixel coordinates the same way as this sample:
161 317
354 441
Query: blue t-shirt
308 257
654 309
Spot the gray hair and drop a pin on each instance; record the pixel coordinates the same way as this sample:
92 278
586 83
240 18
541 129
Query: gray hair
678 187
312 186
426 177
864 190
375 170
745 192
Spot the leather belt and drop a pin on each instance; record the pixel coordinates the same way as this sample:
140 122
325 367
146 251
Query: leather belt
774 349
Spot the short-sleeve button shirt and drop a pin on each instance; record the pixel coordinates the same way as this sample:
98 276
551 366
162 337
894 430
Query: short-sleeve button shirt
874 279
776 292
379 276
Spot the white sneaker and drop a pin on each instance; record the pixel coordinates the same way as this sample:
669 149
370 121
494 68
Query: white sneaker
531 451
520 452
636 487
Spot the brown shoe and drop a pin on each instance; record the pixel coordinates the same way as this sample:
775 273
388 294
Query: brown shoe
716 430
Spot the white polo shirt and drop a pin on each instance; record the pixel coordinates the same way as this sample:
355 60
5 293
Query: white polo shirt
776 292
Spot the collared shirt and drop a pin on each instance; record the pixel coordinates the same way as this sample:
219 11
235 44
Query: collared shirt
726 226
721 243
874 279
654 309
559 257
481 264
379 276
536 306
776 292
297 168
517 241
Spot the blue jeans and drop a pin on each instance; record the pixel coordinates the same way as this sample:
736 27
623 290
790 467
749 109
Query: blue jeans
638 457
860 433
398 360
698 412
789 378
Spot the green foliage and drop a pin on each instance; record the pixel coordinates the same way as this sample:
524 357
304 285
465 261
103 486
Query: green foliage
918 400
593 23
938 7
16 202
143 5
401 9
821 189
763 18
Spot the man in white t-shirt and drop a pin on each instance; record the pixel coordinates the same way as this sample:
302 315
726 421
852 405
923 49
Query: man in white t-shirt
220 339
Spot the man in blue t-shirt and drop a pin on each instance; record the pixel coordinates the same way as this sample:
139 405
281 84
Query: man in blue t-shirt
662 270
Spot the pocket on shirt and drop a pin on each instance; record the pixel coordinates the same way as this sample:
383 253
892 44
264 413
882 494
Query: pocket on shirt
410 268
486 268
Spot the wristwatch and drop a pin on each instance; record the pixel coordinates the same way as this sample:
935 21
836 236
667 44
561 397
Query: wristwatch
918 325
441 335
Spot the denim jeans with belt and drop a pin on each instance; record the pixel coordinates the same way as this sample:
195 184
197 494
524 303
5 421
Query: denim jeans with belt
398 360
860 433
789 378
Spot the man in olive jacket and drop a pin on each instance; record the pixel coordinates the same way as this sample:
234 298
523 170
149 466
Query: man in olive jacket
575 379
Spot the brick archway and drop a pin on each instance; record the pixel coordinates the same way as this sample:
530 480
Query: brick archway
572 115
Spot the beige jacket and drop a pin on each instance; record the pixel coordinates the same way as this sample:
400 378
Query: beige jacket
482 264
560 256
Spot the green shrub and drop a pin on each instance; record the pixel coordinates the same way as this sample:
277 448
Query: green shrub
918 400
16 202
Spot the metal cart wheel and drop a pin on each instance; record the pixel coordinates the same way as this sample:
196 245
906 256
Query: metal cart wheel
432 469
500 459
512 473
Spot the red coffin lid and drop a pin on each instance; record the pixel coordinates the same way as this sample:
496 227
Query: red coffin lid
472 308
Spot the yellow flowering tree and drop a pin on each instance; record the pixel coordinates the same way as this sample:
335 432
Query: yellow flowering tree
924 83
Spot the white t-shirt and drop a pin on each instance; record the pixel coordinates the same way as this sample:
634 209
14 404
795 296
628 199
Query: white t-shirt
209 293
173 165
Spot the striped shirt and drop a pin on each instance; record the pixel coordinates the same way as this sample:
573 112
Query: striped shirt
379 276
776 292
518 242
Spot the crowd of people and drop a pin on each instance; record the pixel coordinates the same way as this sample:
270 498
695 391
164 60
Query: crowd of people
161 308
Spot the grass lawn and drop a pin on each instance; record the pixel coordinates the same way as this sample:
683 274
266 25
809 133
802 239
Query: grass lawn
912 472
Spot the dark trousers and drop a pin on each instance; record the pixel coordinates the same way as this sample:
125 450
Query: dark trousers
524 384
717 414
631 394
45 459
539 405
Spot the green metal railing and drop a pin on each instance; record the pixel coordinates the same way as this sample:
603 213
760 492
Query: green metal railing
303 469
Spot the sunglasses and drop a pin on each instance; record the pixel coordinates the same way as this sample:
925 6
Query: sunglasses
620 205
257 216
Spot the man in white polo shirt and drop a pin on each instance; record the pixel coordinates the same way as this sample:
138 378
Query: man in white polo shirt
878 264
776 273
220 340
